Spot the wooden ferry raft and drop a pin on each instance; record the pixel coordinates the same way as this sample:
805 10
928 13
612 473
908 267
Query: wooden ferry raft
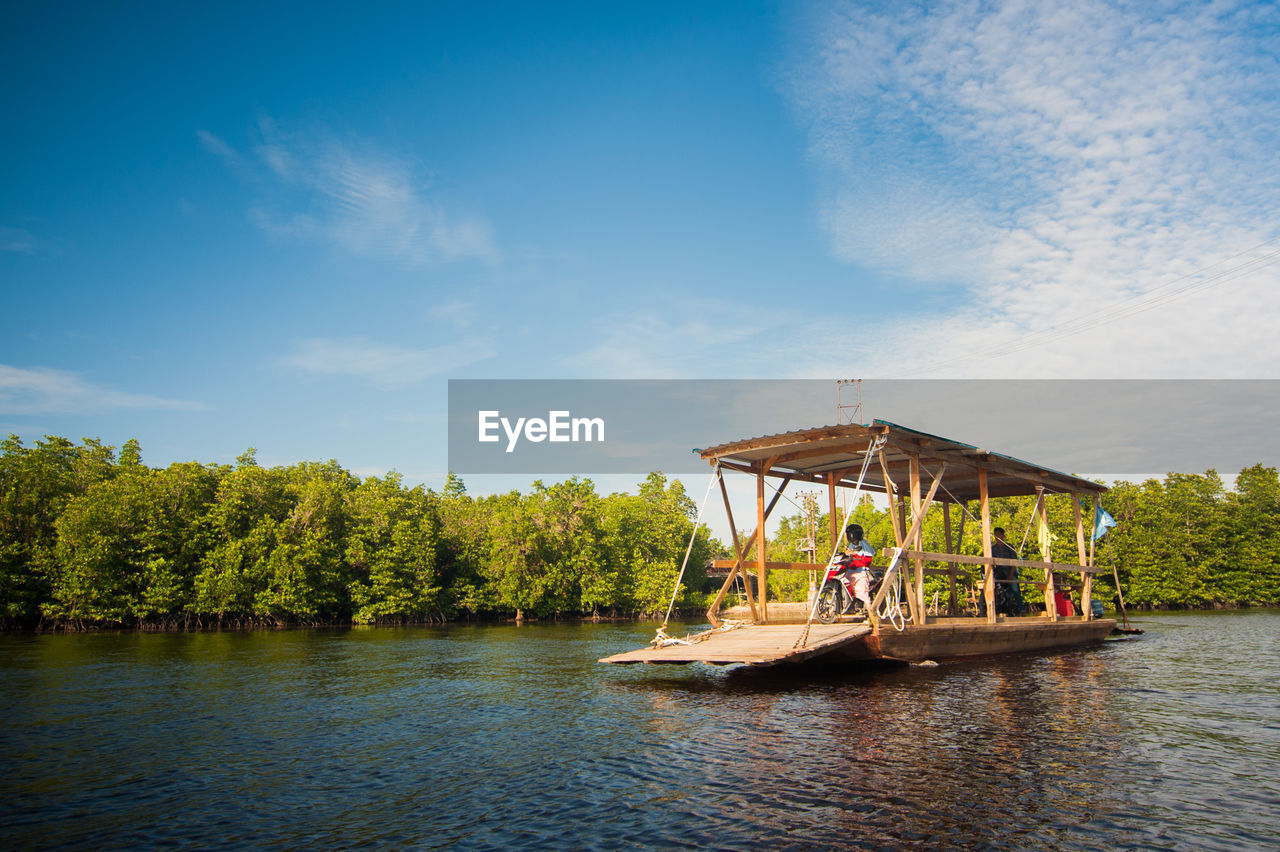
894 461
940 640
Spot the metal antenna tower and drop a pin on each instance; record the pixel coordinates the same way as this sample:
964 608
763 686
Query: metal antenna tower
854 407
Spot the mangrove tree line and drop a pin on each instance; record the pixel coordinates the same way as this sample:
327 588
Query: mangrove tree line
92 537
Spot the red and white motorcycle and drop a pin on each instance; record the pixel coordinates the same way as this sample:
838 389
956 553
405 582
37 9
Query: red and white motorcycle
836 596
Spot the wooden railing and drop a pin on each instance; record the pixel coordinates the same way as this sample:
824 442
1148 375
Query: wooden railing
930 556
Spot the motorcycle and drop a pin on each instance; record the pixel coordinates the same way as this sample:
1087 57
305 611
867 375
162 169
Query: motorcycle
836 596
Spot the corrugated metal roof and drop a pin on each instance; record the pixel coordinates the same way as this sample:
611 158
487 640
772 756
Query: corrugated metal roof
812 454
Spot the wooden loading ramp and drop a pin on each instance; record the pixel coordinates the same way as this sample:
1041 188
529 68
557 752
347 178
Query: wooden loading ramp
754 645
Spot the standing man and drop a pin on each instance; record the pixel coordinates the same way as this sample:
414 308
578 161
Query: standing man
1008 594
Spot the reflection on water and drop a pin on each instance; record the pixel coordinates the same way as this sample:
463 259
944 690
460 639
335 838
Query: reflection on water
504 736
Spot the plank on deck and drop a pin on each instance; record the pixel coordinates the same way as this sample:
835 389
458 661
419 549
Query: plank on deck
757 645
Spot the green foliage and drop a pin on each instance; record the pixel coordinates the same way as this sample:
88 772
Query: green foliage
89 539
86 539
129 547
36 485
391 549
646 538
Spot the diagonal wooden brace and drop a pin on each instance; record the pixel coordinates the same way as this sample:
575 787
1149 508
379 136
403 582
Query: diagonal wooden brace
916 523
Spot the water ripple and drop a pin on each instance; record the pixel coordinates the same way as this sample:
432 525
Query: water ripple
501 737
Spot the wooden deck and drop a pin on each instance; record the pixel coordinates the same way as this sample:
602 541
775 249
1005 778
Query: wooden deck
754 645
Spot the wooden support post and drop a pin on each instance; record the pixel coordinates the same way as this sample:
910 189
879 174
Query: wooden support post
989 576
777 495
892 496
873 614
738 556
767 512
831 510
762 590
715 604
1051 603
953 604
917 587
1086 579
902 519
964 513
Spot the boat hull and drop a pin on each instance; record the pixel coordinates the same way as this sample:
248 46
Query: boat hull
957 639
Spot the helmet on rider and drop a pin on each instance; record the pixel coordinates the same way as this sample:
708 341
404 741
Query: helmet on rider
853 533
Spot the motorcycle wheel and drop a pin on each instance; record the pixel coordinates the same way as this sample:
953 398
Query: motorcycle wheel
828 603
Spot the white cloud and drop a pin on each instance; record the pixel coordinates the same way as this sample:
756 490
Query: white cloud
216 146
370 203
1058 159
457 313
679 337
385 365
43 390
17 240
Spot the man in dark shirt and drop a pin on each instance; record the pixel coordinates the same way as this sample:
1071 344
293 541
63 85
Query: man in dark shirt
1008 595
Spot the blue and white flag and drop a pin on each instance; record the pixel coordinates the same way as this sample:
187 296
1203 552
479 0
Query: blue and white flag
1102 521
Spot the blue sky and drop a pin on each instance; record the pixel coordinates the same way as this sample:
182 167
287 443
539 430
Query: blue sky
288 226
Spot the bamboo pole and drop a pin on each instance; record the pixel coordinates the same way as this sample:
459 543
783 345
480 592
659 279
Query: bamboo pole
1086 579
989 577
1115 572
1051 602
916 587
831 509
761 572
1092 540
953 606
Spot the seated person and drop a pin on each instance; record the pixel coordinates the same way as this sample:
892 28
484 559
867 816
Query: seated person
858 551
858 555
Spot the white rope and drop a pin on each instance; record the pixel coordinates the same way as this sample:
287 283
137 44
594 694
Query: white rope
1027 532
875 444
715 477
853 504
891 608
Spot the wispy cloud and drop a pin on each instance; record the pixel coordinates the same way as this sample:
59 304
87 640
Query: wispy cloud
319 188
1057 159
218 147
456 313
384 365
43 390
684 338
17 240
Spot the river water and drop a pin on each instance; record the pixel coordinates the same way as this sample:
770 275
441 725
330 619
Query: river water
488 737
